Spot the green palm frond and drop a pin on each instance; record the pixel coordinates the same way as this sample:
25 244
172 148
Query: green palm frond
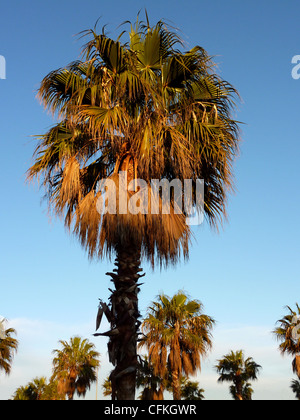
109 52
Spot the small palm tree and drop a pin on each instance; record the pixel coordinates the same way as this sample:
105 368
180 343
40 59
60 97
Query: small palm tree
107 390
8 347
190 391
288 334
75 367
238 370
24 393
295 386
39 389
177 335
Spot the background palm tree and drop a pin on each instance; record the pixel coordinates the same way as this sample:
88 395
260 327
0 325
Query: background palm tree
24 393
290 342
191 391
107 390
295 386
8 347
151 111
36 389
39 389
177 335
153 385
75 367
238 370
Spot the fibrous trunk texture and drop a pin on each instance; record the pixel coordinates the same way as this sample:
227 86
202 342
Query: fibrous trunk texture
176 386
125 323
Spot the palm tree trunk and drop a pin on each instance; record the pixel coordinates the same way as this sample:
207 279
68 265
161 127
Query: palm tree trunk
239 390
125 322
176 386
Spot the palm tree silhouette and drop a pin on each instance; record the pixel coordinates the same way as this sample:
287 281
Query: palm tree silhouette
238 370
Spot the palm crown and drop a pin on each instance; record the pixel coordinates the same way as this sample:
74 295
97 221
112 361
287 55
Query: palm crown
75 366
143 106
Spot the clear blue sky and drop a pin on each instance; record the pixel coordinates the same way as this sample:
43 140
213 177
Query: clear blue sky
244 275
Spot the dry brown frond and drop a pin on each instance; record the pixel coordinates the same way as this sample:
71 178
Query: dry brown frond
88 222
187 365
70 190
175 360
162 237
296 366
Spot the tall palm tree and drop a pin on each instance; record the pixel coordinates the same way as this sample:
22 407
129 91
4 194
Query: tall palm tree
153 112
295 386
289 335
177 335
8 347
238 370
75 367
